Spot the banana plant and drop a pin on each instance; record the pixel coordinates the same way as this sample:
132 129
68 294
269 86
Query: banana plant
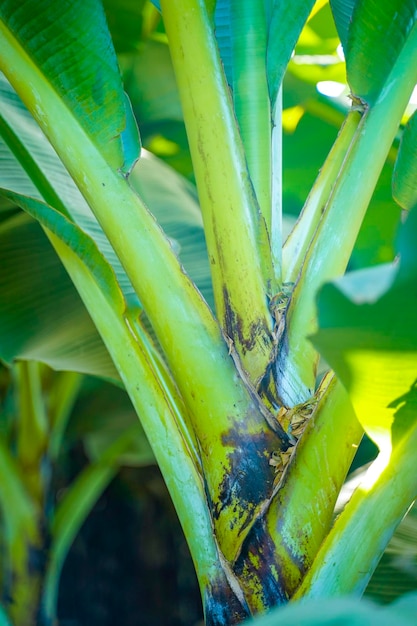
253 439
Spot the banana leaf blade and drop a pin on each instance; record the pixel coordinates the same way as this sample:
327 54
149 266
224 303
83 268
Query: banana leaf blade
86 76
372 346
377 34
404 180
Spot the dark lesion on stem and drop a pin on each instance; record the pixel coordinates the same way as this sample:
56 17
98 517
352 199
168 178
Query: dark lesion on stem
222 604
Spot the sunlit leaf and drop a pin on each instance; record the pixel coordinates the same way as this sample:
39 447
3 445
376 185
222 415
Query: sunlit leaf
372 346
404 182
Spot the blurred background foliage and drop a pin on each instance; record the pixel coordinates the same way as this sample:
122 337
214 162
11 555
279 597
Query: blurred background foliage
129 564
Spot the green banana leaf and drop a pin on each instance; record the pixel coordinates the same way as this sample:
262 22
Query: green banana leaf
222 20
288 18
4 621
404 182
29 162
42 317
396 573
51 325
342 12
342 612
91 62
149 80
372 345
376 37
